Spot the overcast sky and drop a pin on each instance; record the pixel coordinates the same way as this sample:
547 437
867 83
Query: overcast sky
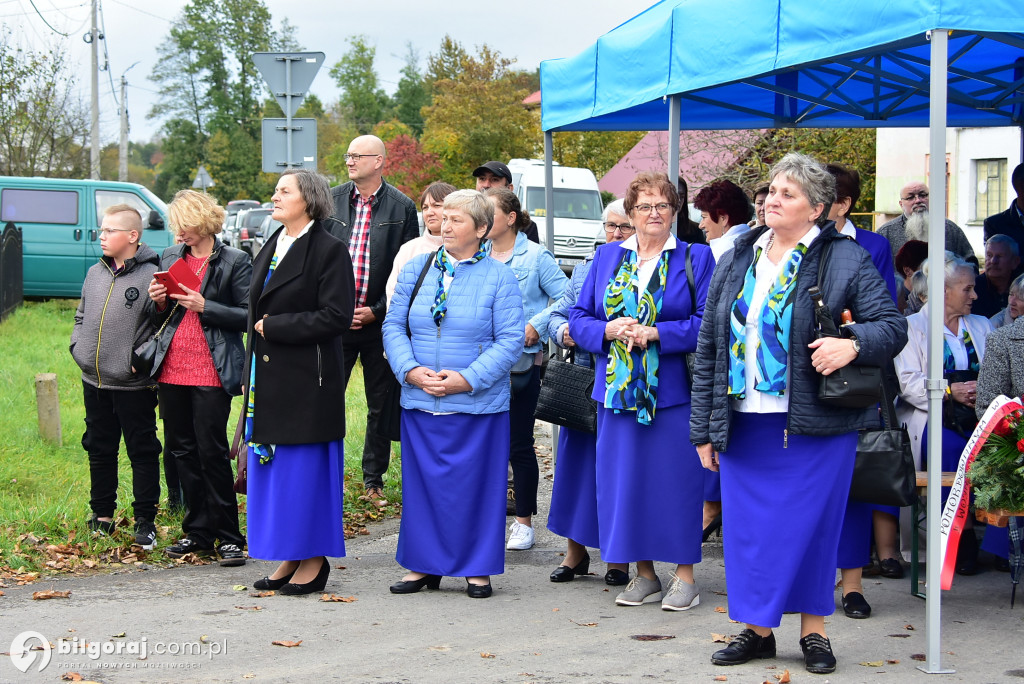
528 30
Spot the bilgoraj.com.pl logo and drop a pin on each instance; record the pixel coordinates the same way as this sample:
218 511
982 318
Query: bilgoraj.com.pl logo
29 647
25 651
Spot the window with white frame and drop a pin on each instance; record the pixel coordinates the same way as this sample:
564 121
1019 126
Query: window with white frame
989 194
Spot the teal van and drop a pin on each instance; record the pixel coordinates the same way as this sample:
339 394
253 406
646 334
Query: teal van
60 222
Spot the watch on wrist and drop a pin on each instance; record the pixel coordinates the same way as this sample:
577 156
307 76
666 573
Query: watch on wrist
856 345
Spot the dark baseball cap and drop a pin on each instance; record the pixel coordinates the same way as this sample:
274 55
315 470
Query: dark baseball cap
495 167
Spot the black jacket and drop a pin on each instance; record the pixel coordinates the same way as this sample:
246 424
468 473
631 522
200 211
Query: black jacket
305 306
852 282
393 222
225 287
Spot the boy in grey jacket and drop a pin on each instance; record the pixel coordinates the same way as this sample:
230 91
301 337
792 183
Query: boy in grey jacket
109 324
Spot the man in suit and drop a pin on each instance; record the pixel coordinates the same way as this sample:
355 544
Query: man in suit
494 174
373 219
1011 221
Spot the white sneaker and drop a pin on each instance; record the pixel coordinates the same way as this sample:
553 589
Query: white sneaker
521 537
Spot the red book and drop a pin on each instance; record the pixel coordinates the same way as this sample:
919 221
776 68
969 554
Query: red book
178 273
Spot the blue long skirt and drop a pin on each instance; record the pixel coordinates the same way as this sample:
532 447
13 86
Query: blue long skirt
294 505
855 535
454 477
573 512
650 488
712 485
783 509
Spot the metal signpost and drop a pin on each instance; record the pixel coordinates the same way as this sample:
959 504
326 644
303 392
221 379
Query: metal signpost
202 180
289 75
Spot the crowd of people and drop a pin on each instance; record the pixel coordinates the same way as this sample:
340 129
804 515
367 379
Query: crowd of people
707 325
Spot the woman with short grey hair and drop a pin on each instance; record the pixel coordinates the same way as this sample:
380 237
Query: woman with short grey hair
1014 306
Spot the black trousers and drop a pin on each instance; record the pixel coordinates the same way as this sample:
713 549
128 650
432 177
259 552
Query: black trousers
522 457
367 345
195 428
109 415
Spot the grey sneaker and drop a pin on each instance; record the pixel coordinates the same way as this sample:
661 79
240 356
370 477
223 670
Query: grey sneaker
640 590
680 595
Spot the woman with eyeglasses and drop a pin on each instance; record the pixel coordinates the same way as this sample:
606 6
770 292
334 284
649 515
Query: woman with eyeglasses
636 314
573 512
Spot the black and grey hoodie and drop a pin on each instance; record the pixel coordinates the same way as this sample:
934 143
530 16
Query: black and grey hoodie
111 321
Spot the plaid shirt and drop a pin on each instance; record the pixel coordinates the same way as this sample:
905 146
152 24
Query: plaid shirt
359 244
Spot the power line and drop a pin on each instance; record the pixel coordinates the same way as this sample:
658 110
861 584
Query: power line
32 2
155 16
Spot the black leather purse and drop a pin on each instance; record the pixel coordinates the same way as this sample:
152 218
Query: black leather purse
565 395
850 386
958 417
144 356
884 472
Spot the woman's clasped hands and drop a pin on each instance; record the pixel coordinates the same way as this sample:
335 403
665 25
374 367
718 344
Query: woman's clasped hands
437 383
630 331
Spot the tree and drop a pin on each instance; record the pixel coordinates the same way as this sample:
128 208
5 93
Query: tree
476 112
412 94
43 125
408 167
361 97
182 150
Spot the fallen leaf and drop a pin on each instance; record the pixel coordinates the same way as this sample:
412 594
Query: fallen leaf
49 594
872 663
261 594
652 637
720 593
286 644
334 598
719 638
485 654
204 639
119 635
720 609
909 627
442 649
892 661
2 594
918 656
248 608
555 610
249 675
339 567
239 587
720 678
71 677
784 677
584 624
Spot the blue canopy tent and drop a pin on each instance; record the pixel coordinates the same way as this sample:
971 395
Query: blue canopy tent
737 64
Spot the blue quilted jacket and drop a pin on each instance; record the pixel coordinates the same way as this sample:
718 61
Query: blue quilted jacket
481 335
852 282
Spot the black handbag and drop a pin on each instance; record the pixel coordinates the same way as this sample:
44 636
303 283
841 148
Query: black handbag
851 386
144 356
565 395
884 472
390 423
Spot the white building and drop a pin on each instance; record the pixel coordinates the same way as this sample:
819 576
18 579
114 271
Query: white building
979 162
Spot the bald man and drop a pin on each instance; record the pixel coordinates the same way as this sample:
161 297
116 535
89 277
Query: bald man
374 219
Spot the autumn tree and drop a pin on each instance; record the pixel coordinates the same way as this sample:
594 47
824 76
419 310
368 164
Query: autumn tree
476 111
362 97
412 94
43 124
408 167
598 151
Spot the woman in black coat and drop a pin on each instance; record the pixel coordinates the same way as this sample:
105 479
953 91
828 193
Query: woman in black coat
198 364
300 302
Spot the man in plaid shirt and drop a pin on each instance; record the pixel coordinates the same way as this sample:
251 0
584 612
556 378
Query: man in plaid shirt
374 219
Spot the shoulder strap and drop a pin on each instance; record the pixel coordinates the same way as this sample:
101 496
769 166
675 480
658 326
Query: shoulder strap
416 289
689 278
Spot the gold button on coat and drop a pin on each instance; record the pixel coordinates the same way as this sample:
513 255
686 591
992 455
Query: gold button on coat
266 358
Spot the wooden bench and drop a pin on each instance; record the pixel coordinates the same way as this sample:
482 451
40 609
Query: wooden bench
918 515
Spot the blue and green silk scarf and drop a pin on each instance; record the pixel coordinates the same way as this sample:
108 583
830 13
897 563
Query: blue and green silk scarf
772 332
631 380
264 451
445 266
949 363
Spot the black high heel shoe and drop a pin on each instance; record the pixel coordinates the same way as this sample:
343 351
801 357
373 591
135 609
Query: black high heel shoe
316 584
710 529
478 590
273 584
563 573
412 586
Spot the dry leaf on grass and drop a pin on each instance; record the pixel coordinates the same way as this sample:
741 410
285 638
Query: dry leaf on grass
334 598
918 656
50 594
286 644
485 654
720 609
651 637
261 594
719 638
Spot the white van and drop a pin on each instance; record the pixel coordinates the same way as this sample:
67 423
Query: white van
577 210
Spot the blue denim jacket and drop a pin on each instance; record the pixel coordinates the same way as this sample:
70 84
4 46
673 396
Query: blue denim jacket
541 281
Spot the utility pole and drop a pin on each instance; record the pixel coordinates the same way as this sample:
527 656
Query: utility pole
95 135
122 157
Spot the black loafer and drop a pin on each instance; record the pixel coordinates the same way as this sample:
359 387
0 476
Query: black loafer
478 590
412 586
616 578
564 573
855 606
746 646
892 568
818 658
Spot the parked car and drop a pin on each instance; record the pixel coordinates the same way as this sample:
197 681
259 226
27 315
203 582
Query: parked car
267 228
247 225
60 226
577 209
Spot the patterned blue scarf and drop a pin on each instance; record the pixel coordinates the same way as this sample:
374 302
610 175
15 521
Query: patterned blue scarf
445 266
264 451
631 379
772 331
949 363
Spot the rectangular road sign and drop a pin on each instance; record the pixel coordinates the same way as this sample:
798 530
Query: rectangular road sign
275 145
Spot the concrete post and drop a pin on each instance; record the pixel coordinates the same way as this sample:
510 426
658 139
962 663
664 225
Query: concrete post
48 407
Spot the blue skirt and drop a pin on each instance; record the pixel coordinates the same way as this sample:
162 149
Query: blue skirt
650 488
295 502
712 485
782 509
573 512
855 535
454 477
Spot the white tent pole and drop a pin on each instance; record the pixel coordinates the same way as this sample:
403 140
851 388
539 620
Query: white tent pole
549 234
674 109
936 384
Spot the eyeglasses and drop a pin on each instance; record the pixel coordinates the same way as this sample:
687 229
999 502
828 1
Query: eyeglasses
624 228
108 231
923 194
662 207
350 156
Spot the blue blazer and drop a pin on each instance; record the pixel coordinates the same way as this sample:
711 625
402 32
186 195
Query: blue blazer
678 324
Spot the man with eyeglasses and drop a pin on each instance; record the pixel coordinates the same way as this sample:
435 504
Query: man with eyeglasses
374 219
912 224
494 174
